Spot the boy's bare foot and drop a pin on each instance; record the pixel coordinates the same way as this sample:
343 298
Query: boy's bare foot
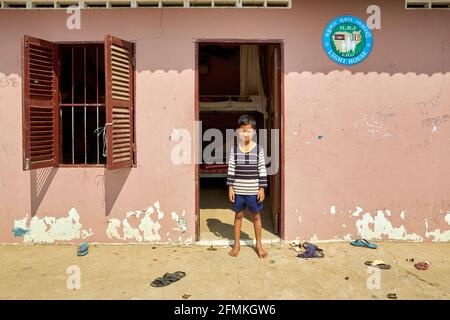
235 251
261 252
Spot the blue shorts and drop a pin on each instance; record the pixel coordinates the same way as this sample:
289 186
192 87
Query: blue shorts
243 201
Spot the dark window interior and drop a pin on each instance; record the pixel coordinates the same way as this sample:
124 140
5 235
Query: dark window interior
82 109
219 69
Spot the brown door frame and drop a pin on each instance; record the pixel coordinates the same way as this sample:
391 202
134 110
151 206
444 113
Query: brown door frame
281 226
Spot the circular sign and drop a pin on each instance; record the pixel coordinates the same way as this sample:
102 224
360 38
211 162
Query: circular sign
347 40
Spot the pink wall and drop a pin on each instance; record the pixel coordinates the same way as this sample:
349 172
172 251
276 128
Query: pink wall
380 171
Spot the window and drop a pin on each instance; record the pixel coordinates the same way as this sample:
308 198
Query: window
82 104
78 104
92 4
433 4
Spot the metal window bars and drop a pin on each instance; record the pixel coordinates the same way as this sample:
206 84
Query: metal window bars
433 4
79 127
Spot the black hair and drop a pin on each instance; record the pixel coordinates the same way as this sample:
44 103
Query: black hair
246 119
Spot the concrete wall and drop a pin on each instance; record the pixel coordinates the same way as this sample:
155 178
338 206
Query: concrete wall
380 171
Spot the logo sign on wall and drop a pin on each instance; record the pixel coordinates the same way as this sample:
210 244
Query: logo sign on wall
347 40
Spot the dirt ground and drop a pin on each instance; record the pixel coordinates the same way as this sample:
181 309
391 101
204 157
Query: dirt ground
125 271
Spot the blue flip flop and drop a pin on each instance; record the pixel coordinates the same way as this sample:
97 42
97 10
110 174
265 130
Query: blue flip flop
83 249
364 243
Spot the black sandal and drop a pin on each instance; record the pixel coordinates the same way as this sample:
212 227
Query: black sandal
167 279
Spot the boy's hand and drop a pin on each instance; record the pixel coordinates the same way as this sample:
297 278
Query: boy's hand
261 195
231 193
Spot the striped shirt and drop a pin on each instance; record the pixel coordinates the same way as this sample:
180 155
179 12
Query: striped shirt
247 171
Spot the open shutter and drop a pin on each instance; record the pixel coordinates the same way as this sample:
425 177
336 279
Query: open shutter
40 103
119 72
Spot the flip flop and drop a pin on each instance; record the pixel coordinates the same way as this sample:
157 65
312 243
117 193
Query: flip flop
364 243
380 264
314 254
167 279
307 245
312 251
83 249
391 296
422 265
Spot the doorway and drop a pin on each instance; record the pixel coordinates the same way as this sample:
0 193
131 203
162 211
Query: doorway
235 78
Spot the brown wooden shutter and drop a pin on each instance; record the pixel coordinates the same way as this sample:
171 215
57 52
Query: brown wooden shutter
40 103
119 73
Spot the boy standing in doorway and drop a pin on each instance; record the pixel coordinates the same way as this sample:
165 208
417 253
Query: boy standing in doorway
246 181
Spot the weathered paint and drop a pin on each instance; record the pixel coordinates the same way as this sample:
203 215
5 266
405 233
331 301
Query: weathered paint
357 212
181 222
383 125
382 226
333 210
50 229
437 234
140 226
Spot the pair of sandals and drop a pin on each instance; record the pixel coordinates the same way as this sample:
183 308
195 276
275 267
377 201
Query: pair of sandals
311 251
167 279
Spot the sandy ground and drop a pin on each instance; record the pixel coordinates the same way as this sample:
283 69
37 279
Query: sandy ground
124 272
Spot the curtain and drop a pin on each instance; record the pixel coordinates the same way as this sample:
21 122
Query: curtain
250 73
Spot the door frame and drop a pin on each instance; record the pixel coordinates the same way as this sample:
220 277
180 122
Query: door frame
280 43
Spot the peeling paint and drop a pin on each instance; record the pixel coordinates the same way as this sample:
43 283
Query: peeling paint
437 234
160 213
147 230
357 212
447 218
182 225
333 210
148 227
347 237
314 238
112 230
181 222
370 227
382 226
50 229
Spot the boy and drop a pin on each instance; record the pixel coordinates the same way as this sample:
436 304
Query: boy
246 181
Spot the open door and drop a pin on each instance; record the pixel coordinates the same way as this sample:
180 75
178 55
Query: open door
275 123
119 101
40 104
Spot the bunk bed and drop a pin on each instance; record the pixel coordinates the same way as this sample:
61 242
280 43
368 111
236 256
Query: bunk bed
223 120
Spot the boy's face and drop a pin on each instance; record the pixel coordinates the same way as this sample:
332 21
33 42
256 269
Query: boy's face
246 133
